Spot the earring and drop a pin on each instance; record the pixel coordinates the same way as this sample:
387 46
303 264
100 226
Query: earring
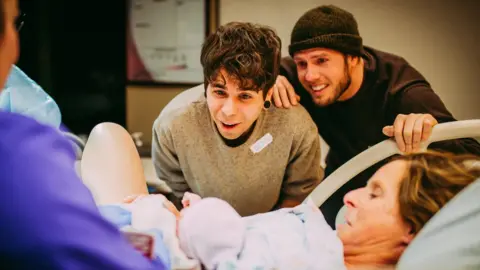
267 104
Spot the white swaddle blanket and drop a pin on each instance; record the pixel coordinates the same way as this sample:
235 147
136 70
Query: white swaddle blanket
297 238
150 215
211 232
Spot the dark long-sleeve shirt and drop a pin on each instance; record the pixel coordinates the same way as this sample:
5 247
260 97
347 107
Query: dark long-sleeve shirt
391 86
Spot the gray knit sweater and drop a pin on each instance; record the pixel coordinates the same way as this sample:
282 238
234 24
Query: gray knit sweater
190 155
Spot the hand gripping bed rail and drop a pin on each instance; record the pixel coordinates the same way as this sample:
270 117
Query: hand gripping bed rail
385 149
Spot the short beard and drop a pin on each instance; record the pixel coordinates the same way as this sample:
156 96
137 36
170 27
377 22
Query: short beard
342 86
344 83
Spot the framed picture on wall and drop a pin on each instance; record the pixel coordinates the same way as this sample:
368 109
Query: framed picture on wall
164 39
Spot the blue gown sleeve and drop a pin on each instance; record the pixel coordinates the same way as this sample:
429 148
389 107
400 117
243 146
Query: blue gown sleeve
49 219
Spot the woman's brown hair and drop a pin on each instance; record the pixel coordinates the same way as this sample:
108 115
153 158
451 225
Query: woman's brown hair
432 180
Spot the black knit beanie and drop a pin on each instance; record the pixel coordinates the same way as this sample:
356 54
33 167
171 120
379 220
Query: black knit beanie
326 27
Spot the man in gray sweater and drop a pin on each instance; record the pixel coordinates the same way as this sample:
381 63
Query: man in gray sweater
226 141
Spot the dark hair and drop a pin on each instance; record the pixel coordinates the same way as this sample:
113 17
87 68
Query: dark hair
433 179
249 53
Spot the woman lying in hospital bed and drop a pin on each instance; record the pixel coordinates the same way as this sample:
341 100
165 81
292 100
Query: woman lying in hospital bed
381 220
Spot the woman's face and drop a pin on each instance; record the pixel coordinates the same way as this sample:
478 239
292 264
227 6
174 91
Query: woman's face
373 221
9 48
233 110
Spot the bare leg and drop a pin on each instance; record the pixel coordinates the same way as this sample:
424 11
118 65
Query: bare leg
111 166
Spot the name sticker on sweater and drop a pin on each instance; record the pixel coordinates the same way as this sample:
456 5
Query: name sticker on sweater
261 143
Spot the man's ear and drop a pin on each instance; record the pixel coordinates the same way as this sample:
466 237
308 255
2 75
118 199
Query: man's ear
353 61
269 94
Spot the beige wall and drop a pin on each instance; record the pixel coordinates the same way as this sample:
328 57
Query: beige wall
144 105
438 37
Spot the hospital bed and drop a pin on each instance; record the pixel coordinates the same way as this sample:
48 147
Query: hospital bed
451 239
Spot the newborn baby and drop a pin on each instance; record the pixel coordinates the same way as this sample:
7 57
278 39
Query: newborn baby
152 215
210 231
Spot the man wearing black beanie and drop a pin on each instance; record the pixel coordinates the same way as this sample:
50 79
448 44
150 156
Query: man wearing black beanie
358 96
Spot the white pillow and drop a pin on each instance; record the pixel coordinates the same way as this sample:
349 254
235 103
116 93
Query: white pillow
451 239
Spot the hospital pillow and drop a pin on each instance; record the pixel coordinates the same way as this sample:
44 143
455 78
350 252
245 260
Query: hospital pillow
451 239
24 96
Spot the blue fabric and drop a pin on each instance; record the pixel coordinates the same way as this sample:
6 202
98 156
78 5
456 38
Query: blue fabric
49 218
24 96
121 217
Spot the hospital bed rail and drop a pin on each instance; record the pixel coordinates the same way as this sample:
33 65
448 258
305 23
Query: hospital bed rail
385 149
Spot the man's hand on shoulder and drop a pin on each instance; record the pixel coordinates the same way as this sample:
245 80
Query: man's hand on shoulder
284 95
410 130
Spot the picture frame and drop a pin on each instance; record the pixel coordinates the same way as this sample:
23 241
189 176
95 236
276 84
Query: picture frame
164 39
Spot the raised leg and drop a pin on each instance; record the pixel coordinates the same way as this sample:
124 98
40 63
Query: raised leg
111 167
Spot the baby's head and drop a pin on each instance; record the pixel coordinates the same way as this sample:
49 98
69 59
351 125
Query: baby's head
214 225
